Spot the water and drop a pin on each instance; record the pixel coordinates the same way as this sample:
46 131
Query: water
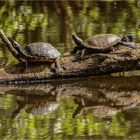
90 108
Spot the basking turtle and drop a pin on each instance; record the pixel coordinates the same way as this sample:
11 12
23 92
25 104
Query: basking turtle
101 43
36 52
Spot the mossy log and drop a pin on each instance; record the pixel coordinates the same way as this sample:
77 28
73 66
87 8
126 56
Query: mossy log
123 59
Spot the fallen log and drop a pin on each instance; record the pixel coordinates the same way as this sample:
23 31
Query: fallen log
124 59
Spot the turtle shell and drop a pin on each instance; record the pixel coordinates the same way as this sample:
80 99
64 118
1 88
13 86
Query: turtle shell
41 50
101 41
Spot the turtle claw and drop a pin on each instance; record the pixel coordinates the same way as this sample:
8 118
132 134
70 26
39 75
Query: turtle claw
56 70
132 45
76 58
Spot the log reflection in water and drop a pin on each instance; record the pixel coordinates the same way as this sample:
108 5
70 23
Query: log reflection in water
99 97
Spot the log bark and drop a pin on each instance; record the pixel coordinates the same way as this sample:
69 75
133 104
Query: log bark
123 59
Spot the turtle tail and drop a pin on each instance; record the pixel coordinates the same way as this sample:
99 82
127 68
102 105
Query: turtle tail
77 41
127 38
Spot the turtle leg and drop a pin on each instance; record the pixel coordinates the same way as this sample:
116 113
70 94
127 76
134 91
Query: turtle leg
83 53
76 57
79 56
127 44
75 49
58 68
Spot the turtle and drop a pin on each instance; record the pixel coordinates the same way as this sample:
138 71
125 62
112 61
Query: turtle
100 43
36 52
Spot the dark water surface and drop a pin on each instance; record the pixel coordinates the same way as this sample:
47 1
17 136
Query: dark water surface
92 108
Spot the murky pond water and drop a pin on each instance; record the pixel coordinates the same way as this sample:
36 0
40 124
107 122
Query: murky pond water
90 108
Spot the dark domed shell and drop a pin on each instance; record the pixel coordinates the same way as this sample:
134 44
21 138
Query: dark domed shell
101 41
41 49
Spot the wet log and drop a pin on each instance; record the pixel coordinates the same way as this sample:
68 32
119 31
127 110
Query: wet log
123 59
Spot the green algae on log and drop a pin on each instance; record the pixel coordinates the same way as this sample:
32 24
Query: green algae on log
124 59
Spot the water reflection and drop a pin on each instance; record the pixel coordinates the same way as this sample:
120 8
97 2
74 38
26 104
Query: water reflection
80 109
37 105
103 107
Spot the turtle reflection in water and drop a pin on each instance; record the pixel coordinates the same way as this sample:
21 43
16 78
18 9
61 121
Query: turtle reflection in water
101 43
36 52
100 110
38 105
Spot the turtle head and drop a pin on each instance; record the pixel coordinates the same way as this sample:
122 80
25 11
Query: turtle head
128 41
79 110
14 43
128 38
77 41
79 44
